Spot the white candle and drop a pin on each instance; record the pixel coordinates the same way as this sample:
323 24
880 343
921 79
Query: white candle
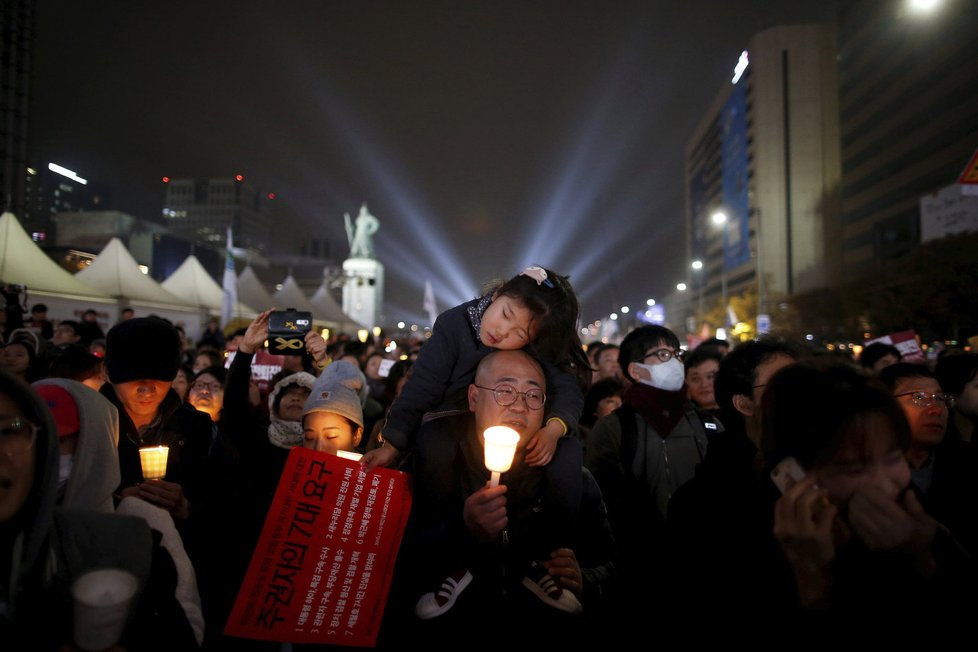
500 446
153 461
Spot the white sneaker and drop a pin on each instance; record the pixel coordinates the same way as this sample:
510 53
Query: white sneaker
432 605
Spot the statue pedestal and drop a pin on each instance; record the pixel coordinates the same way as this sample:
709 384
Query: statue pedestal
363 291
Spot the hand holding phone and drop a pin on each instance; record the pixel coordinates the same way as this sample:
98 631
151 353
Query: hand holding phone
287 330
787 473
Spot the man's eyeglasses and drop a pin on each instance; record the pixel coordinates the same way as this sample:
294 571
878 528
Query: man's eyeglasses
506 395
17 436
926 399
210 387
665 355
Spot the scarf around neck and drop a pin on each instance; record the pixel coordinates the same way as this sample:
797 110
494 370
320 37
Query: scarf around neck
660 408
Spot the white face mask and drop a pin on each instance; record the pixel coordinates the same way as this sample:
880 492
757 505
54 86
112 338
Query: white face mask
64 471
668 376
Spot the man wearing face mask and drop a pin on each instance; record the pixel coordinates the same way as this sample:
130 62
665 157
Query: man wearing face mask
644 451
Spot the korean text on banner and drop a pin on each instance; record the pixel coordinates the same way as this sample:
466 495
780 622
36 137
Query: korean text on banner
324 562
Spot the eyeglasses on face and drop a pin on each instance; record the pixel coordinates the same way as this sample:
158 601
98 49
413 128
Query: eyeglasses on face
665 355
926 399
17 436
210 387
506 395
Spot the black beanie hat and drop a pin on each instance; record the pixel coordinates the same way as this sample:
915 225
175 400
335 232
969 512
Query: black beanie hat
146 348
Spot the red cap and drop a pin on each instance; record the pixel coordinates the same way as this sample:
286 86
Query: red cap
63 407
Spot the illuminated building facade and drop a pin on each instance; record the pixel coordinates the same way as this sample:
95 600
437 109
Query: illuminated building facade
52 189
201 210
766 156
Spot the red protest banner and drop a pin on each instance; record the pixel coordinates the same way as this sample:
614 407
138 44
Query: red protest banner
324 562
264 366
906 342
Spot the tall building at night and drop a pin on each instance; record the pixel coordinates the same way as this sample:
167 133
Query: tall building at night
201 210
908 95
53 189
16 38
766 156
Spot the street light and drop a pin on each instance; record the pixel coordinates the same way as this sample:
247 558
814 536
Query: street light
697 266
720 220
758 268
681 287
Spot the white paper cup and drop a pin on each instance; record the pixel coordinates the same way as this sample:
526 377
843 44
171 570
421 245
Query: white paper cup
153 461
102 601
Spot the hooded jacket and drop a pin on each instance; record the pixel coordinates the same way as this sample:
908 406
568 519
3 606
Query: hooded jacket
95 465
43 549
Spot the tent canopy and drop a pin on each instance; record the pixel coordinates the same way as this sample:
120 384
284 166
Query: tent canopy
291 296
252 292
192 282
323 300
23 263
116 273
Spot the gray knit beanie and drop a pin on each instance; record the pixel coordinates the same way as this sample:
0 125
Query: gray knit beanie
336 391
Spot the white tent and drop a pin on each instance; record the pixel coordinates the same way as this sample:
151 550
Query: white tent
323 300
194 285
291 296
116 273
252 292
23 263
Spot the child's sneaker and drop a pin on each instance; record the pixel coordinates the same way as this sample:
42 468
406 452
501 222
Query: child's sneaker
432 605
548 589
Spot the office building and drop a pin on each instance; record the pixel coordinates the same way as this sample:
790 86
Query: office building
201 210
766 157
908 92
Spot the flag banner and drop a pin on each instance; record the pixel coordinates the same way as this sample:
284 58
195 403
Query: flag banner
323 566
229 284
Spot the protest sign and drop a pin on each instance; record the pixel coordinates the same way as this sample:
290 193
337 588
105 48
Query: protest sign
324 562
906 343
264 366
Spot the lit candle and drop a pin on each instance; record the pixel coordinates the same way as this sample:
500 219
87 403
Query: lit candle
500 445
153 461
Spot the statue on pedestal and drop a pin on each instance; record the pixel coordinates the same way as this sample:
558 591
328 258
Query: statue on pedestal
359 235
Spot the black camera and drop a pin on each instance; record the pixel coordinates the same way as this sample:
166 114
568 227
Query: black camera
287 330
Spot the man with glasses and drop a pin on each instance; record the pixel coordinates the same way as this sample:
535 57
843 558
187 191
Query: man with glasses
945 472
644 451
534 551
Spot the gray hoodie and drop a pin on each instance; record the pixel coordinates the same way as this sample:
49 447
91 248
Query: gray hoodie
95 467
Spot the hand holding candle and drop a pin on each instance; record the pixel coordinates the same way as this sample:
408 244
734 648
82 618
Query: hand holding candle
500 446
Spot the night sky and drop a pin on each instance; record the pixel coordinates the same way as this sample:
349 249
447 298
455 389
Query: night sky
484 136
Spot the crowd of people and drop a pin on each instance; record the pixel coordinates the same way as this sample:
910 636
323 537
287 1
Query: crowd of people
648 479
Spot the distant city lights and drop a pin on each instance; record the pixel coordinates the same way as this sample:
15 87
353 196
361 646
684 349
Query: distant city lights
65 172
